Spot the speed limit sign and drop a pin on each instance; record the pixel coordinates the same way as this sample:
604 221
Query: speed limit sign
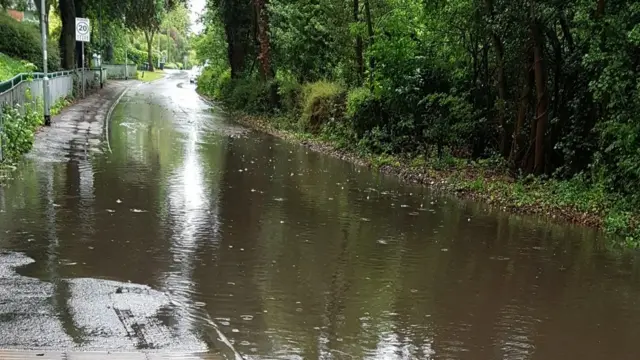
83 30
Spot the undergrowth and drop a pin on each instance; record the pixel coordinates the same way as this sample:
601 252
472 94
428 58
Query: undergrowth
325 112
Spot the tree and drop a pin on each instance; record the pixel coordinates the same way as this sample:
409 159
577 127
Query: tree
147 16
67 10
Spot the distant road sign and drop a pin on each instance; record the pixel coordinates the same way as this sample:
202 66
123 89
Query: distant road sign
83 30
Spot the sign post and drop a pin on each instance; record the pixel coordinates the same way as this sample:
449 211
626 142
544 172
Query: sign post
83 34
45 79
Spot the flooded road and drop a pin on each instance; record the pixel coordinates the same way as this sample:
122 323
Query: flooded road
187 232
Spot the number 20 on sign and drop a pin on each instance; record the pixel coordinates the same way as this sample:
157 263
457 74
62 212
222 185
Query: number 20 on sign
83 30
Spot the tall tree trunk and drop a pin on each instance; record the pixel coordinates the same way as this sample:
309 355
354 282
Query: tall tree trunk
600 9
80 12
372 61
517 144
148 35
498 48
542 106
502 93
68 34
359 58
262 28
236 51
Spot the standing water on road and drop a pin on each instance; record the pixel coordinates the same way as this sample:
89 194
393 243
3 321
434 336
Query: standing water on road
190 233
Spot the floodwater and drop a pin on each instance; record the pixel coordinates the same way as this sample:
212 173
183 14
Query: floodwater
239 244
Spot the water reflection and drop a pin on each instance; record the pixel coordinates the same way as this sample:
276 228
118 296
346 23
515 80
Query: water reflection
292 254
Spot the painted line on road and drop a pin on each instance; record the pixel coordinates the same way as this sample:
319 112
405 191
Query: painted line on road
107 119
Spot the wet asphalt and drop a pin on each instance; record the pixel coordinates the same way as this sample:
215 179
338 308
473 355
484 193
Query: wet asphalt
172 232
77 317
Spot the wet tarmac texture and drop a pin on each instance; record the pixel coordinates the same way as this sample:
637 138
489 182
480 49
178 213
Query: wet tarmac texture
188 234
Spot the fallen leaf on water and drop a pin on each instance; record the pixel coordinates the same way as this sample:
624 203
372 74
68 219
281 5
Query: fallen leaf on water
200 304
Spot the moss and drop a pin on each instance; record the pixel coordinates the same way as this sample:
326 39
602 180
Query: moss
321 101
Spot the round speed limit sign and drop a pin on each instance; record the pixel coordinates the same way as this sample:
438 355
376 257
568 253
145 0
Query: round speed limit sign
83 30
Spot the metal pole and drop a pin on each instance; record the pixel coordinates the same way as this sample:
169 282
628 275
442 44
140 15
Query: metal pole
45 79
82 68
126 66
159 53
126 35
101 45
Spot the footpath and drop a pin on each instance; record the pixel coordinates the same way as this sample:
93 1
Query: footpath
79 129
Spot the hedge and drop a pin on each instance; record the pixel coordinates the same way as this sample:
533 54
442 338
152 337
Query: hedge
22 41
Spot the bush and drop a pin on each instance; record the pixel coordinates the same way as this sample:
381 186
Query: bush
364 111
322 101
9 67
140 57
249 95
22 41
215 82
19 128
289 93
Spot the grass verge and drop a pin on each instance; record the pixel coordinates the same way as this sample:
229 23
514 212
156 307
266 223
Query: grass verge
148 76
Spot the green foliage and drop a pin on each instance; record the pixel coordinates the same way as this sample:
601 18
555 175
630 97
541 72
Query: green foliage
215 82
319 30
289 93
62 103
19 126
10 67
21 40
322 101
481 81
357 99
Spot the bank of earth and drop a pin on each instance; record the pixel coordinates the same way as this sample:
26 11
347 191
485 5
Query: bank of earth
486 181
